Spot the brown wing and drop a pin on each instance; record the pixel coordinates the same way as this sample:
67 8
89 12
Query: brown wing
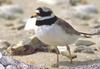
67 27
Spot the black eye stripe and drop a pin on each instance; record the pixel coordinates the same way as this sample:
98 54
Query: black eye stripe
40 9
44 13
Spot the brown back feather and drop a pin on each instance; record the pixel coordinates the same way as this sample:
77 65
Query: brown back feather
67 27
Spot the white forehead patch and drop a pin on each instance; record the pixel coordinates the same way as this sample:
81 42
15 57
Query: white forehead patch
37 11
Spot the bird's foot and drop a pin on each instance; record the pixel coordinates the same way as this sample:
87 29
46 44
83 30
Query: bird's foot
71 57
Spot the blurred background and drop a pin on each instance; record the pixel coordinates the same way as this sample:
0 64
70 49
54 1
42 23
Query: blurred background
83 15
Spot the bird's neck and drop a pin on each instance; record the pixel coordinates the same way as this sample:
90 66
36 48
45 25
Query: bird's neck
48 20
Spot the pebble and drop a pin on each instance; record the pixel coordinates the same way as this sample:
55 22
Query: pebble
54 2
50 2
4 44
84 49
27 46
1 66
97 21
84 42
84 12
5 2
11 67
76 2
10 11
7 62
23 66
90 66
88 50
80 48
0 55
18 27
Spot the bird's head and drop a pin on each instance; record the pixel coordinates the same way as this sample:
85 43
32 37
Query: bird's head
44 16
43 11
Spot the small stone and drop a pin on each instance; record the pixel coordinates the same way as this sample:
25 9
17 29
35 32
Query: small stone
84 49
84 42
5 2
35 67
0 55
10 11
27 46
22 66
4 44
9 24
11 67
97 21
89 66
51 2
1 66
88 50
84 12
20 27
80 48
27 66
94 66
76 2
5 61
54 2
15 26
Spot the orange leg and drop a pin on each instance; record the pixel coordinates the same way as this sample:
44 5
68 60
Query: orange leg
70 55
57 52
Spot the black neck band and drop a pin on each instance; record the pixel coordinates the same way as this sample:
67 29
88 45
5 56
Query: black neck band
46 21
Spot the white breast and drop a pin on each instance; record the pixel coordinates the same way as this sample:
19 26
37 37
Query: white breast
54 35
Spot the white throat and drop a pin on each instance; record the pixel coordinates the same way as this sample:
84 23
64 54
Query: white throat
46 17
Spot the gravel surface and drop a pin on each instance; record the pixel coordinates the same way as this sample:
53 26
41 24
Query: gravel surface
10 31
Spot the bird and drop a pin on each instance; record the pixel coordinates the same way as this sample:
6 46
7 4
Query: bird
54 31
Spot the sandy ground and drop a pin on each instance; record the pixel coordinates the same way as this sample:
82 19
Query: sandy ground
47 59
